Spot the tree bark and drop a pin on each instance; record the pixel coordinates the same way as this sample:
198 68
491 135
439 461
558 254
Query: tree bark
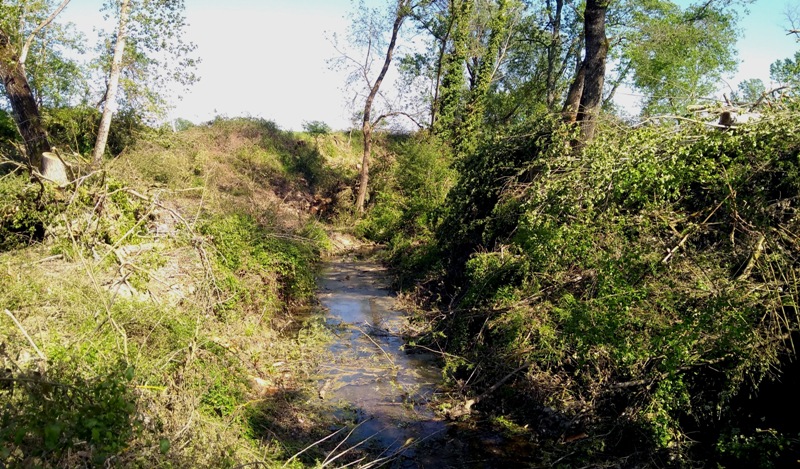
113 83
594 64
367 123
26 112
553 52
439 71
570 110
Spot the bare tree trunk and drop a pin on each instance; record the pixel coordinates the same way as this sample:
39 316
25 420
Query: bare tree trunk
553 53
367 125
594 64
439 71
113 83
364 179
570 111
20 95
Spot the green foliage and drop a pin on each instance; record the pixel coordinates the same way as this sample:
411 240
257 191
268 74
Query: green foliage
408 209
73 128
763 449
786 71
749 91
316 128
263 269
158 60
47 416
26 210
655 262
679 55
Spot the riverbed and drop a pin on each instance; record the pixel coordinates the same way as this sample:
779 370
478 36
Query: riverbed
389 394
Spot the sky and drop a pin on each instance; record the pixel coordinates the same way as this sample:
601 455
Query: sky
269 58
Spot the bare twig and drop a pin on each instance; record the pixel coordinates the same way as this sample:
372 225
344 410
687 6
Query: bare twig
25 333
376 344
327 461
48 259
312 445
672 251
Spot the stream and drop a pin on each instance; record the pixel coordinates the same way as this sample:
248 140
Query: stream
385 390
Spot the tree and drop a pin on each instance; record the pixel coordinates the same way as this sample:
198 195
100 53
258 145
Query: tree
316 129
149 59
367 124
749 91
594 66
113 83
678 56
499 27
786 71
368 33
16 85
453 80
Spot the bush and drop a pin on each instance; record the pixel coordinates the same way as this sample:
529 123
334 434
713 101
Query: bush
650 278
53 416
26 210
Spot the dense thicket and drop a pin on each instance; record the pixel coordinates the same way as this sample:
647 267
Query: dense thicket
644 284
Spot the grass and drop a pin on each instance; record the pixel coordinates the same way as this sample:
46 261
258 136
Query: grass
157 315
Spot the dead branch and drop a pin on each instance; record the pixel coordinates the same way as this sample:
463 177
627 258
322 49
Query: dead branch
753 259
25 333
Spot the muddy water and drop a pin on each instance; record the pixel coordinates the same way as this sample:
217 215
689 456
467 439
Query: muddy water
387 391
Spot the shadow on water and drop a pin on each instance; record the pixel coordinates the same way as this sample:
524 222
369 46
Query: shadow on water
386 392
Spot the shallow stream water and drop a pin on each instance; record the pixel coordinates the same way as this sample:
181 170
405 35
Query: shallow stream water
385 389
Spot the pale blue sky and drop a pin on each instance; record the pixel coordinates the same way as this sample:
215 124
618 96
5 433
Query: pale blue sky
268 58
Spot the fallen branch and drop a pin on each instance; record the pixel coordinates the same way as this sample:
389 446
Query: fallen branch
25 333
753 258
376 344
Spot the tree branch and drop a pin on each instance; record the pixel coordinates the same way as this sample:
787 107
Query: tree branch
23 55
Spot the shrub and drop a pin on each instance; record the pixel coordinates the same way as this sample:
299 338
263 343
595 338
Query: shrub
650 277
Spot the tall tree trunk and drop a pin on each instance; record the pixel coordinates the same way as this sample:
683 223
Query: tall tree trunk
453 76
466 135
553 52
573 101
439 71
366 126
110 105
23 103
594 64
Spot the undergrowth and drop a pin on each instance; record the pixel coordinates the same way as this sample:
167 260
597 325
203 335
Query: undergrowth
152 312
643 287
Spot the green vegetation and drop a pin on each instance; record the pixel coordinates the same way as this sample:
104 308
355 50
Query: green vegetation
616 294
143 307
644 284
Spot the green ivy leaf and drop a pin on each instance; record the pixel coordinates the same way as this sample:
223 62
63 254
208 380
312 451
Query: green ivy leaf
163 445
